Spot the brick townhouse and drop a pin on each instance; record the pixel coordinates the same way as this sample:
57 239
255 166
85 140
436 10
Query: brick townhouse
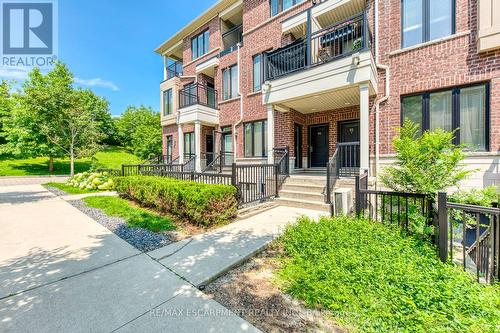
332 76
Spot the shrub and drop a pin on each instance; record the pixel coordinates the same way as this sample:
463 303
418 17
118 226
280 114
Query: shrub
91 181
203 204
425 163
373 278
479 197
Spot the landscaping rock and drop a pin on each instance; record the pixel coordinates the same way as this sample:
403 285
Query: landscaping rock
142 239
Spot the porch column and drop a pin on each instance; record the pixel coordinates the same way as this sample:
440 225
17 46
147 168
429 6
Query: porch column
270 133
197 145
180 143
364 126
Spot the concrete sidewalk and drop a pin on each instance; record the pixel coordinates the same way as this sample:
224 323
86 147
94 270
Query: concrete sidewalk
60 271
31 180
202 258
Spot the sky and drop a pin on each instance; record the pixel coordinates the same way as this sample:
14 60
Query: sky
109 45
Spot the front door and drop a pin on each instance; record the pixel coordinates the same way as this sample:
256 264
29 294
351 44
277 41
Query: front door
209 148
298 145
227 147
348 147
318 146
349 131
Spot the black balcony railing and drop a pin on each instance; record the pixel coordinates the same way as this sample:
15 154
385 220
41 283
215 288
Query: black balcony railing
198 94
230 40
339 40
174 70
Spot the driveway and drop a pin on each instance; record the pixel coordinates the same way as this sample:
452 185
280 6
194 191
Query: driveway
60 271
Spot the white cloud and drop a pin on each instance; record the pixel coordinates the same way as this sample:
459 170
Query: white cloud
97 82
15 73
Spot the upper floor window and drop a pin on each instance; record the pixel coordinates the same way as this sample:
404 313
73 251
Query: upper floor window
257 72
278 6
167 102
200 44
426 20
464 109
230 82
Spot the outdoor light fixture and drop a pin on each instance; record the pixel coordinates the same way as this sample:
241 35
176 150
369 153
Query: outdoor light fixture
355 59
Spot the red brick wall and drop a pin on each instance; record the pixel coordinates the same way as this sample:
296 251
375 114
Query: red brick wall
444 64
171 130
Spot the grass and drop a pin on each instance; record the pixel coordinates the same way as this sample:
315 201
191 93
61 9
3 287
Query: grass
69 189
135 216
374 278
110 157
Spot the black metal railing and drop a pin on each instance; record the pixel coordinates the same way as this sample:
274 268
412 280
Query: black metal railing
470 236
347 159
220 162
230 40
198 94
339 40
255 182
331 176
189 162
281 157
174 70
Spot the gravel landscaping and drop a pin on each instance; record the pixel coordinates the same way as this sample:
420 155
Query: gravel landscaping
142 239
249 292
55 191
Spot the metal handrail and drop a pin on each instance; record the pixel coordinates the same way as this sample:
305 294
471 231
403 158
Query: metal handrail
198 94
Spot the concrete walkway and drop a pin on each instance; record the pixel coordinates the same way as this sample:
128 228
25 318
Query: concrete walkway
31 180
202 258
60 271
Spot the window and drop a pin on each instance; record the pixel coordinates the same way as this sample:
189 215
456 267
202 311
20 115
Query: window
425 20
257 72
256 139
461 108
167 102
230 82
278 6
200 44
189 149
169 147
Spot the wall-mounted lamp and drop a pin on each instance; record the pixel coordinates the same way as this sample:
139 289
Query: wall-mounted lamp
355 59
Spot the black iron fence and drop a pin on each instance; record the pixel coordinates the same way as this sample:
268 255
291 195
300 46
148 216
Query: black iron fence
255 182
198 94
343 163
339 40
281 157
468 235
218 162
174 69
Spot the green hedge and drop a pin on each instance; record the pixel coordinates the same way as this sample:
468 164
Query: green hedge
203 204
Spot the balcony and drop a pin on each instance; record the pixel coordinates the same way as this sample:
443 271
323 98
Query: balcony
174 70
230 40
198 103
323 70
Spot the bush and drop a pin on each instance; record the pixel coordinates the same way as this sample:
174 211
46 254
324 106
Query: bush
479 197
92 181
203 204
374 278
425 163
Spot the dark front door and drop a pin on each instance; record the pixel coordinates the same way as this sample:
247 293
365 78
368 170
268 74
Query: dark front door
298 145
209 148
318 146
349 131
348 147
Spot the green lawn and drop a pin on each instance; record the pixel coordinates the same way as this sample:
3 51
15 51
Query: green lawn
135 216
110 157
69 189
374 278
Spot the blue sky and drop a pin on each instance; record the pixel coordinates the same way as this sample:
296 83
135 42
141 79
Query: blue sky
108 45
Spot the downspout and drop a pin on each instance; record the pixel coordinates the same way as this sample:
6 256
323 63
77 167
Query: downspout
241 104
381 100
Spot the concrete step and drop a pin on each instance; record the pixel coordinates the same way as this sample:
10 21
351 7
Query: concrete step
302 196
303 188
306 180
250 211
298 203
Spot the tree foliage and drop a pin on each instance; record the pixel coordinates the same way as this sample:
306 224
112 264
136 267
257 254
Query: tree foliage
6 106
139 130
425 163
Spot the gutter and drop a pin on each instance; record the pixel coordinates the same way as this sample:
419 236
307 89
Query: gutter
241 104
381 100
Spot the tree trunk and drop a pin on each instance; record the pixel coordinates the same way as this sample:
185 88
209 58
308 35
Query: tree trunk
72 161
51 164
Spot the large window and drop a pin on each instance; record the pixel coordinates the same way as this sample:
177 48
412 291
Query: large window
425 20
278 6
167 102
256 139
189 149
230 82
464 109
257 72
169 141
200 44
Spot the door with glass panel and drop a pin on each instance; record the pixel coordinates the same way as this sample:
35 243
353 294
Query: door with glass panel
227 146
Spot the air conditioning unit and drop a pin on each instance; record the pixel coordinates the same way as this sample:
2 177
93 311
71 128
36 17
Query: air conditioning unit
343 201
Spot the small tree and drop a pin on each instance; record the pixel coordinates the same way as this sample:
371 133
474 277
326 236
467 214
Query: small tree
6 106
425 163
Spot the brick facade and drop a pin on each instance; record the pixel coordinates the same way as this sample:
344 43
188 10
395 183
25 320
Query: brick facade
452 61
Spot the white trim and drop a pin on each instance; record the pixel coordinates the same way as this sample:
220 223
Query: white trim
200 113
431 42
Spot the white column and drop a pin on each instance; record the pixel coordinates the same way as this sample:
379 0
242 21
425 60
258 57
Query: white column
364 126
197 144
270 133
180 143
